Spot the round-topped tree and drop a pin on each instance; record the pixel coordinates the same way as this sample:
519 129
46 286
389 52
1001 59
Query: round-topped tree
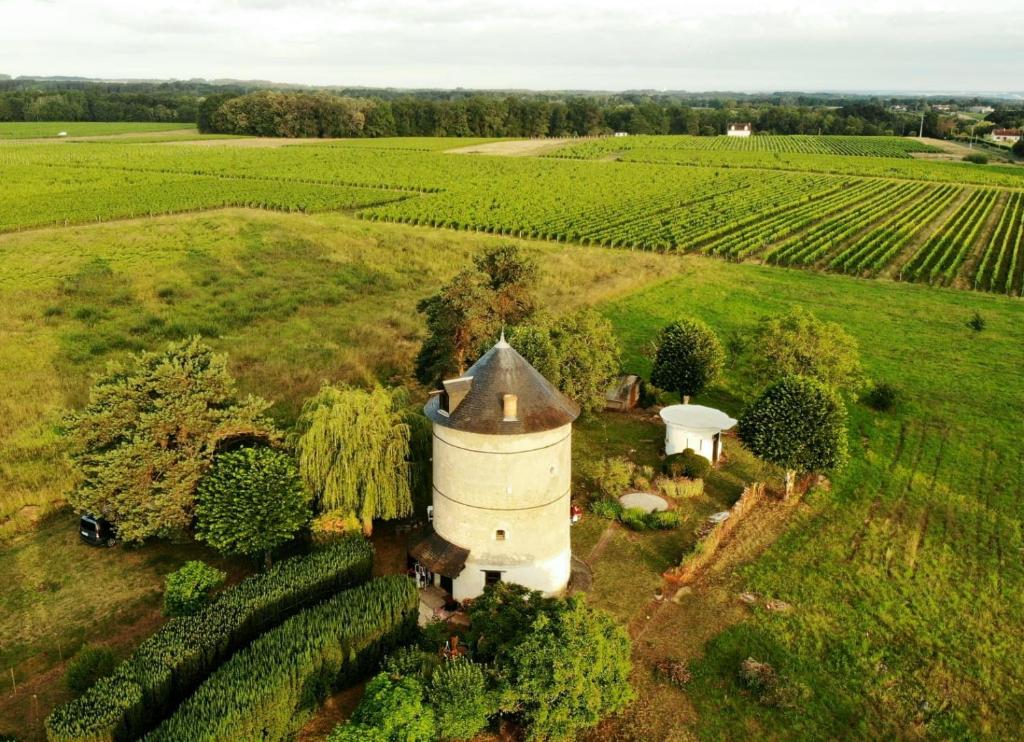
502 464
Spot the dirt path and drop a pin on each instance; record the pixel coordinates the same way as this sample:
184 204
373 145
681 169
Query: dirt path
606 536
515 148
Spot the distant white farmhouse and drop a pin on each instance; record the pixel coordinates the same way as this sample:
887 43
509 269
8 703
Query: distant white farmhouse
621 134
1009 136
696 427
502 465
740 130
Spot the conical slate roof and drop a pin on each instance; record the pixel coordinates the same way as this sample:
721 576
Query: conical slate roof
500 371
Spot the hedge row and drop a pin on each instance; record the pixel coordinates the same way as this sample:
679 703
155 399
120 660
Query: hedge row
263 691
169 665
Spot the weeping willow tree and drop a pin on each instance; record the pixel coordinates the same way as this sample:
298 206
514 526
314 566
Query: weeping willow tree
353 449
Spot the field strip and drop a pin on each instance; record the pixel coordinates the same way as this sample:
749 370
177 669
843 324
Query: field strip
69 224
230 176
806 170
516 148
923 234
970 264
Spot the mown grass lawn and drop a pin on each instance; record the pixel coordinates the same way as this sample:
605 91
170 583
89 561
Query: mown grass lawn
906 579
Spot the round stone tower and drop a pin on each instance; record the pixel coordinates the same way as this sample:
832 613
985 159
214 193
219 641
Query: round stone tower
502 466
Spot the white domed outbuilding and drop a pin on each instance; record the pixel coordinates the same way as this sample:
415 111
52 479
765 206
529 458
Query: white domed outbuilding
502 466
696 427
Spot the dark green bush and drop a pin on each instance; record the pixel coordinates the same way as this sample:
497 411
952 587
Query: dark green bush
976 322
170 664
188 589
882 397
265 689
634 519
87 666
664 521
688 463
606 508
977 158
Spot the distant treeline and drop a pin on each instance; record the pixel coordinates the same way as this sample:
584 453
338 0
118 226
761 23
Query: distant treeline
284 114
257 107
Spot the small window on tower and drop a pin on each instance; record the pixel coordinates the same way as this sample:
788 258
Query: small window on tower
499 535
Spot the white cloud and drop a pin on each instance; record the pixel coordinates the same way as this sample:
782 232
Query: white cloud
740 45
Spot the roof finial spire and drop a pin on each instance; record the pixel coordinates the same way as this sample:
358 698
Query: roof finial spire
502 342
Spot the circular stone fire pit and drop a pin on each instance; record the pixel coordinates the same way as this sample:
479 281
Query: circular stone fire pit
645 501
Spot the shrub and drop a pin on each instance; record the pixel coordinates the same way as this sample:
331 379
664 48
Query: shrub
976 322
411 661
977 158
607 508
87 666
643 477
664 520
290 669
188 589
332 526
688 463
611 477
634 518
680 488
460 699
882 397
170 664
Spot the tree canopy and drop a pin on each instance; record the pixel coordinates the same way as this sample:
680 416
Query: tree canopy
578 353
467 314
687 358
391 709
353 451
569 671
798 343
559 664
149 433
798 424
251 502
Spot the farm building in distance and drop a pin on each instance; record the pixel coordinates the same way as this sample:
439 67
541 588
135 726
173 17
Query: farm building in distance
740 130
502 462
1006 135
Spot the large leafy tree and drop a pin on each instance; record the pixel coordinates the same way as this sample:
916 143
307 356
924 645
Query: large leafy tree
460 698
391 710
798 424
688 357
578 353
568 672
798 343
469 311
251 502
353 450
149 433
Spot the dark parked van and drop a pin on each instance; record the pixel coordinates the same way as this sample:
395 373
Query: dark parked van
96 531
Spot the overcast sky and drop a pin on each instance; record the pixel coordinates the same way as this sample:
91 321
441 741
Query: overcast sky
739 45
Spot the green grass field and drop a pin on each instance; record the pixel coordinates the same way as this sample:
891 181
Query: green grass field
905 580
50 129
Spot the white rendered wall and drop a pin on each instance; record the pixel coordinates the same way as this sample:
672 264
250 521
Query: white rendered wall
519 484
678 439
